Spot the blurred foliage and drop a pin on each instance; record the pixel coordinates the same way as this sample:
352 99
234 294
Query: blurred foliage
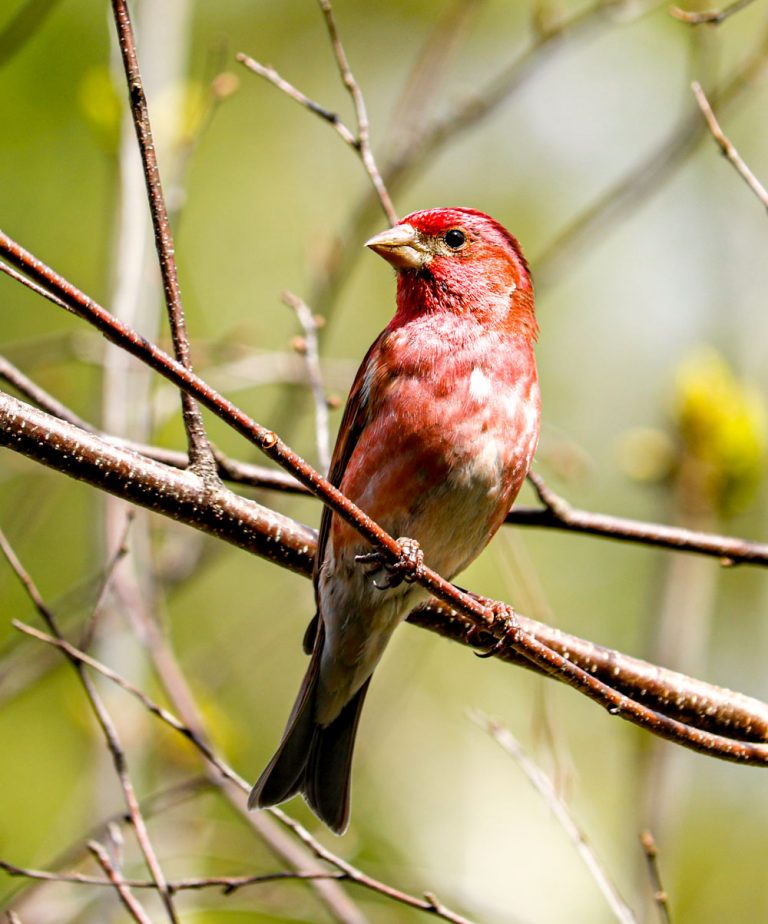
714 449
722 426
263 193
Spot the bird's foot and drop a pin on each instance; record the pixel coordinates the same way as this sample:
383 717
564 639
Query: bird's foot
504 614
408 567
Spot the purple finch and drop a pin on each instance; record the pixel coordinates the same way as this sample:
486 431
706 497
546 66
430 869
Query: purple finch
437 437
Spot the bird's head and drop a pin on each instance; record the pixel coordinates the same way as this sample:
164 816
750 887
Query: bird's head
461 261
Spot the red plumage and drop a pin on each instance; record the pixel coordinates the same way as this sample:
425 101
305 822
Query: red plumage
438 434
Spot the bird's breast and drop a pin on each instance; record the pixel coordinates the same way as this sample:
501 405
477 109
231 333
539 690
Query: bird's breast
450 438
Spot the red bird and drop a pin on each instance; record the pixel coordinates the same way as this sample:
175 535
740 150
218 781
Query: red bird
438 434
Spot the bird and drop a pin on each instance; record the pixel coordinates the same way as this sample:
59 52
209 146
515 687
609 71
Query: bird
438 434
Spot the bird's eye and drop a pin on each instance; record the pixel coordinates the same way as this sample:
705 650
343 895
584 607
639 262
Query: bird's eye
455 239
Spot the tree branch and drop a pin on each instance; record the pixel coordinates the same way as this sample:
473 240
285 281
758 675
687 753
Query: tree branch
727 147
201 457
263 532
172 492
133 908
557 513
562 812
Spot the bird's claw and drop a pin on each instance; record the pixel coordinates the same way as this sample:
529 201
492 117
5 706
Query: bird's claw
408 567
505 614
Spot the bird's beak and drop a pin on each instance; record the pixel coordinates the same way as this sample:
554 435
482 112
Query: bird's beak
402 247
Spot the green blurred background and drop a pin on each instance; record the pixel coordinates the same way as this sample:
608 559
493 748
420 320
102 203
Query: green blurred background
653 367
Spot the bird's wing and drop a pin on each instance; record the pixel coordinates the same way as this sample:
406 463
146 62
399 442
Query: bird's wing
357 414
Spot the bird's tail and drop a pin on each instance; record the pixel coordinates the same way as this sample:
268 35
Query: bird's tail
314 760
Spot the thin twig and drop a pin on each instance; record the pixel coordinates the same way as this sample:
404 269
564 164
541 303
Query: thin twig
230 884
201 457
109 731
312 356
25 386
359 141
227 884
559 808
648 174
713 17
660 896
559 514
133 908
429 903
272 76
727 147
361 114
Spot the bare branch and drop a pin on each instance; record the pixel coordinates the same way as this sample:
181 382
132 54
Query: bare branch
360 141
670 693
230 884
312 356
201 457
559 808
556 514
659 892
174 493
227 884
266 533
271 75
361 114
133 908
559 514
727 147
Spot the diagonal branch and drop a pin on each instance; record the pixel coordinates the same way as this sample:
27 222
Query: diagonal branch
559 514
133 908
361 113
727 147
562 812
359 141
